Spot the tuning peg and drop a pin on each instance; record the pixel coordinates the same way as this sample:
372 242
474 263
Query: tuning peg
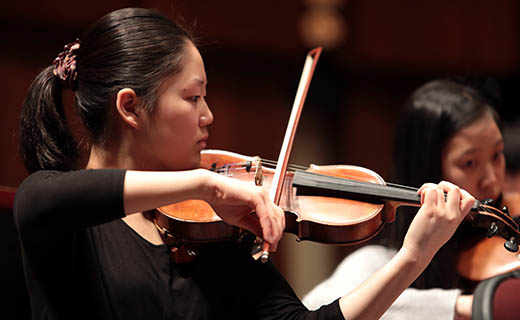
511 245
505 210
493 229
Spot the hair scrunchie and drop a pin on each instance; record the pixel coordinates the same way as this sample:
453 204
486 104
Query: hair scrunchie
65 64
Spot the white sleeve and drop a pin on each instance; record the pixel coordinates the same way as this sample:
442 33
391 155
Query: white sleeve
423 304
360 265
350 273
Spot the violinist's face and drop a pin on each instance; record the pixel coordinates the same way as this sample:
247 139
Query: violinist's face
474 160
177 129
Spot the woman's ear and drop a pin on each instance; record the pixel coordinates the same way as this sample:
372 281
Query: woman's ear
127 105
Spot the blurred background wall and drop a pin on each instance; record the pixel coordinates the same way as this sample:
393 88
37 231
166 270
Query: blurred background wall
375 53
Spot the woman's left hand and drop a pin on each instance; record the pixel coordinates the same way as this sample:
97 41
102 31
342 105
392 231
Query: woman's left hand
443 208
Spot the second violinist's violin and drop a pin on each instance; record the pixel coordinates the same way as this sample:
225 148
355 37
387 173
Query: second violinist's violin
482 256
338 204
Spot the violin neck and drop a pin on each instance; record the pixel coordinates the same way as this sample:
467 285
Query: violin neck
308 183
314 184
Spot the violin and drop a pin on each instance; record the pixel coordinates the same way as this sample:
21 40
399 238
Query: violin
482 256
329 204
336 204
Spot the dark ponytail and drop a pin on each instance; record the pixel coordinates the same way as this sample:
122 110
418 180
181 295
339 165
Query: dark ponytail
128 48
46 141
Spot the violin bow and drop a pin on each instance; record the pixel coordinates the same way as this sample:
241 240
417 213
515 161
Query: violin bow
261 250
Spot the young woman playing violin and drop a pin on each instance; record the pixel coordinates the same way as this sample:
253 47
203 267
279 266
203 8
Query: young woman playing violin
446 131
91 250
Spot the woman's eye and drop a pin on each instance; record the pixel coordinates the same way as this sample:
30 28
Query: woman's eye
195 98
498 155
469 164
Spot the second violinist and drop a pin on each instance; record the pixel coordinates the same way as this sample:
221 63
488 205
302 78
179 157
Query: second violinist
90 249
446 131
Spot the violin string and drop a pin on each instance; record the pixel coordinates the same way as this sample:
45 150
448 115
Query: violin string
495 212
234 169
248 166
293 167
400 186
242 165
478 205
231 170
346 176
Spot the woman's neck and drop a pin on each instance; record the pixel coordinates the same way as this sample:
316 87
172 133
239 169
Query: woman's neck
101 157
140 222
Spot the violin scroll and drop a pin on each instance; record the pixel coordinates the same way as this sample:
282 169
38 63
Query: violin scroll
497 222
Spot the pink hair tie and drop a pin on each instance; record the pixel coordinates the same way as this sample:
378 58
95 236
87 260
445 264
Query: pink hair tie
65 64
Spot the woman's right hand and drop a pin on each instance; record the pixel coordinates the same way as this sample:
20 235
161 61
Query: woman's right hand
233 200
247 206
437 219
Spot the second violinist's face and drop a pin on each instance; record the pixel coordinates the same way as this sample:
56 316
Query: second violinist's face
474 160
177 129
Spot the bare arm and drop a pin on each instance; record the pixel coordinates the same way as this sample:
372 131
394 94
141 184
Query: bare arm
433 225
231 199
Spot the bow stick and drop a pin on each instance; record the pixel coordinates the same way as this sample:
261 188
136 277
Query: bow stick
283 159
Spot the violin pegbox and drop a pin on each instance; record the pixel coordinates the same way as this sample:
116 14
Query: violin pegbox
497 222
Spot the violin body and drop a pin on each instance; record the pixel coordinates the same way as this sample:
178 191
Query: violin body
317 218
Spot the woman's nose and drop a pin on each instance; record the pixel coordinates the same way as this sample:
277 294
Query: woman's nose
206 117
489 180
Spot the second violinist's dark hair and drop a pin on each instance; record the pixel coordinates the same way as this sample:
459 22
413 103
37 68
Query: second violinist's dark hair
433 114
128 48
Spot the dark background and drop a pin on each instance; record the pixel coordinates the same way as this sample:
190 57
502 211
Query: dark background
376 53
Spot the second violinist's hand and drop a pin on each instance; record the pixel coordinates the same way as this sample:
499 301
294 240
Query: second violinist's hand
235 201
463 307
437 219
